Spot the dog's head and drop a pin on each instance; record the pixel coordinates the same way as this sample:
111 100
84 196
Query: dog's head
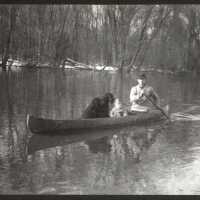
108 98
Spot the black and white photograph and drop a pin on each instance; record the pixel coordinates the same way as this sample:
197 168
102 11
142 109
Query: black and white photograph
100 99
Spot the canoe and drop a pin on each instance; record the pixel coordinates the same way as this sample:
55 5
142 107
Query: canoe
51 126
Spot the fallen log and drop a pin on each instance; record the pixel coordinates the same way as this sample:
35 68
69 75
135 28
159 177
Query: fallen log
74 63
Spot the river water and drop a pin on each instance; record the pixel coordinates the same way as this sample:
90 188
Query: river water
161 159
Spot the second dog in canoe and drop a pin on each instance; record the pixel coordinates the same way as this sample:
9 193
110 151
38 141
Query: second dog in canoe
117 110
99 107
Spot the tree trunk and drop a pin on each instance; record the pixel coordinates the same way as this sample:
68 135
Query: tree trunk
154 34
114 32
142 34
12 19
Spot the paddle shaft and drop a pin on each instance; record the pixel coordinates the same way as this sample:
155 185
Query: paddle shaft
156 106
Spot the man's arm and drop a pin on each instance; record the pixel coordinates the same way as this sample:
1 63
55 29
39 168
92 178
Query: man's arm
154 96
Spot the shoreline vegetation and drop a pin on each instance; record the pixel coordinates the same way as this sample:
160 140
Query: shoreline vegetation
105 37
74 65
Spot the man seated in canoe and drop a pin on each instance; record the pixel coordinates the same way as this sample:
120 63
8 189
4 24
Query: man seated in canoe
143 96
99 107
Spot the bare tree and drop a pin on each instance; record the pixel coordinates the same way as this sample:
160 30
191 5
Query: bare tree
12 13
142 34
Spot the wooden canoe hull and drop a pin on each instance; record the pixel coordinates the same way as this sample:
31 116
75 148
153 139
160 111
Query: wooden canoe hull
50 126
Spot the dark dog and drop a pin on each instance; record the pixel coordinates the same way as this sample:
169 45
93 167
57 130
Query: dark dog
99 107
92 109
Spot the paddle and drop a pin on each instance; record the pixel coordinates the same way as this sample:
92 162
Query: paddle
156 106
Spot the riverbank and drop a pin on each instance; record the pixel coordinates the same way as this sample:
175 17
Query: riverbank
14 64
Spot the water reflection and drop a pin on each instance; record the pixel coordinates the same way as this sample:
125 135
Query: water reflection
128 143
146 160
132 143
101 145
43 141
115 151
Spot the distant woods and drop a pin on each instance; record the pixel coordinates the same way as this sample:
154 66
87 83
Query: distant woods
166 36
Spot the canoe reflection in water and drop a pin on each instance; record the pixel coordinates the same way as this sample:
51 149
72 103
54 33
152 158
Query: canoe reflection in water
101 145
124 142
131 144
39 142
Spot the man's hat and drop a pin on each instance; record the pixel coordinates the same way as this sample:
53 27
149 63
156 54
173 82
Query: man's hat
142 76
